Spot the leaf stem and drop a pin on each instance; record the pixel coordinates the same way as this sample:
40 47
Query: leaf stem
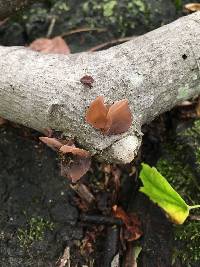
193 207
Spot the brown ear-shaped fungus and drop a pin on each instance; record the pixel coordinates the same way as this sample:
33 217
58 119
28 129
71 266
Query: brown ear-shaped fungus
53 143
74 150
114 119
78 165
97 113
119 118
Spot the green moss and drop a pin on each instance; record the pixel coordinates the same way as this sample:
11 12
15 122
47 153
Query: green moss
35 230
189 235
59 8
172 166
180 176
193 131
192 134
141 5
108 8
198 154
178 4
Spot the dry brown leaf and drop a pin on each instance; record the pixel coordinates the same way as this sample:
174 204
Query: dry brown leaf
131 221
57 45
114 119
192 7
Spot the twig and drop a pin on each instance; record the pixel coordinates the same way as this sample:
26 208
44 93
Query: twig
83 192
111 245
82 30
132 255
65 258
115 41
4 21
115 262
99 219
51 26
124 71
194 217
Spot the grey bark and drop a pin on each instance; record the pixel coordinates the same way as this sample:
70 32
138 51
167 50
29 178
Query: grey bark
7 7
154 72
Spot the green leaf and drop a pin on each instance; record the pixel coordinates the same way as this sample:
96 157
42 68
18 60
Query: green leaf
156 187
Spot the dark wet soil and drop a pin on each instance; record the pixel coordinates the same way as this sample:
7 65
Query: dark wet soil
32 189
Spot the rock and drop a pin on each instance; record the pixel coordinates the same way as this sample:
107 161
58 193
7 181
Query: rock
64 213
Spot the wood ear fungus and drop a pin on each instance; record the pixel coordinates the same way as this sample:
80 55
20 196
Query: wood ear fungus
114 119
75 162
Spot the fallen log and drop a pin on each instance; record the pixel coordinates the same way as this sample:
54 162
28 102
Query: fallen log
154 72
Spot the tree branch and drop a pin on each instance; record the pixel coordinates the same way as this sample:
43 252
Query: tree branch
154 72
7 7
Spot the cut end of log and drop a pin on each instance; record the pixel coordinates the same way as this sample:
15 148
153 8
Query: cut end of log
126 149
123 151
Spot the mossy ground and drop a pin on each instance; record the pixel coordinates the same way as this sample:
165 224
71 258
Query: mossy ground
119 18
35 230
179 165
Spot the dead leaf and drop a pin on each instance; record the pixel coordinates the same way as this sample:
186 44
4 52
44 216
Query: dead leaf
131 221
114 119
57 45
2 121
87 243
76 162
53 143
192 7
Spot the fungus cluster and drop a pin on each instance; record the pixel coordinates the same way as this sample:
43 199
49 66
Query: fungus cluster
109 119
75 162
113 119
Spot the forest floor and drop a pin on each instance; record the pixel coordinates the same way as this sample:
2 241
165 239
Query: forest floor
45 220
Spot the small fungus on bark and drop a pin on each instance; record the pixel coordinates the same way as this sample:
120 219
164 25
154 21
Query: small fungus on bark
87 80
75 162
114 119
